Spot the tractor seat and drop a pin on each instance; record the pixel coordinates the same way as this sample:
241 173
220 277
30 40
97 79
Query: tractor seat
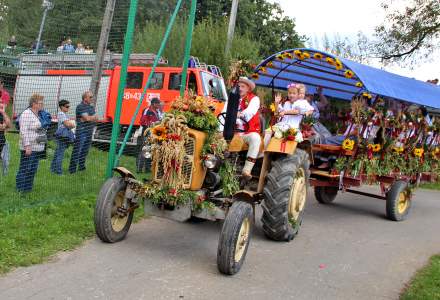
237 144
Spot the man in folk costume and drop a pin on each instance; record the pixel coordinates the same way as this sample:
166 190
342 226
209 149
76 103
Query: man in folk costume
248 113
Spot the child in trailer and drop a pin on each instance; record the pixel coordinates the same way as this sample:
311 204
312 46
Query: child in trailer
291 111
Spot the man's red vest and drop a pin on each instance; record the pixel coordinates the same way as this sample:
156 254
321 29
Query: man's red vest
254 123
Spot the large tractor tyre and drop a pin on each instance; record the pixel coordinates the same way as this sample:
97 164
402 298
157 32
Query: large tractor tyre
325 194
234 238
285 196
112 221
398 202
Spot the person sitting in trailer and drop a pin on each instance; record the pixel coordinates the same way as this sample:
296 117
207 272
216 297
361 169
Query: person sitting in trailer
248 113
321 132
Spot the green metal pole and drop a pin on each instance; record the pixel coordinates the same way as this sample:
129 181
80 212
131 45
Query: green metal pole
122 82
188 43
144 92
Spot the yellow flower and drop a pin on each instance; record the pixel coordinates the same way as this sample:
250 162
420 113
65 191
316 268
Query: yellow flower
297 53
368 95
349 74
269 64
263 70
159 132
374 147
436 153
280 57
330 61
318 56
348 144
359 84
255 76
272 107
306 55
398 149
418 152
292 131
338 64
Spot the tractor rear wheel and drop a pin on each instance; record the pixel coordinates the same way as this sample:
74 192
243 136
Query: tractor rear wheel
398 202
234 238
325 194
285 196
112 220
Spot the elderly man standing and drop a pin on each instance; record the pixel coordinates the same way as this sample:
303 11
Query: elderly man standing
248 121
85 119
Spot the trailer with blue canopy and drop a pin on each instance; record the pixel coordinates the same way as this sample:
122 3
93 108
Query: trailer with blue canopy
392 136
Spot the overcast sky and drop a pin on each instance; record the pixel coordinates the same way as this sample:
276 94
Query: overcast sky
347 17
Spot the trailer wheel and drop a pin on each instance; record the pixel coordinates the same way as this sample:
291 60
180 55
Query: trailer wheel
325 194
112 221
234 238
398 202
285 196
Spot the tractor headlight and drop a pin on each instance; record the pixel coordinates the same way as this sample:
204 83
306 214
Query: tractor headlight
146 151
210 161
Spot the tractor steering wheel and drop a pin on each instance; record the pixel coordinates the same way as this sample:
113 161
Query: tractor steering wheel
222 117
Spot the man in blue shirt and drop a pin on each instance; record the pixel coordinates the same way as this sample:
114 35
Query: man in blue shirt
85 120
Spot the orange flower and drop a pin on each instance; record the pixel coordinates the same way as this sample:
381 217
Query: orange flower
306 55
263 70
318 56
330 61
269 64
255 76
348 74
159 133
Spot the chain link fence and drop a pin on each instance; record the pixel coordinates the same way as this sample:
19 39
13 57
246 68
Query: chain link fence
54 135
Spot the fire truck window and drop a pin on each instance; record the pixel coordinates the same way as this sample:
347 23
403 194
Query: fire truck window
174 83
157 81
134 80
192 83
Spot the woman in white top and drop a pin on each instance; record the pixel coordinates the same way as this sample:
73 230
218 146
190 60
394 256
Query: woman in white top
32 141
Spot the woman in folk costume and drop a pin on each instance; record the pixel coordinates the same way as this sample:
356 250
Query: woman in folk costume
248 112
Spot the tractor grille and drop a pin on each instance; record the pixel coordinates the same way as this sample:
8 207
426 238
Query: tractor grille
187 167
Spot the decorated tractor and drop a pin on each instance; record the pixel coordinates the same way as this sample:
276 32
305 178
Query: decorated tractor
196 174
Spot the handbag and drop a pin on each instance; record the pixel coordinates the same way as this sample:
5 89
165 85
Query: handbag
65 134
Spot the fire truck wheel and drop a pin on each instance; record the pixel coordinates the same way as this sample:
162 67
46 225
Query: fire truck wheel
285 195
234 238
325 194
398 202
112 221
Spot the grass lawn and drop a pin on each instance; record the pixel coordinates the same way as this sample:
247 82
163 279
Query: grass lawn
431 186
57 215
426 284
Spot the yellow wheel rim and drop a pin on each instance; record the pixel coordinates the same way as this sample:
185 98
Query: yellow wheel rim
242 240
298 195
403 202
118 221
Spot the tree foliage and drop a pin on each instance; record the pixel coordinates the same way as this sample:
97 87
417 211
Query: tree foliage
208 44
409 33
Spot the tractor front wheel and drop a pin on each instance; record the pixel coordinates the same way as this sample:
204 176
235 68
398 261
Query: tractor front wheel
112 215
234 238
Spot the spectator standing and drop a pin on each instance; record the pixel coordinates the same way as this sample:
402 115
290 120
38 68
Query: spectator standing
64 137
85 119
4 95
68 47
5 124
80 49
32 142
149 116
12 42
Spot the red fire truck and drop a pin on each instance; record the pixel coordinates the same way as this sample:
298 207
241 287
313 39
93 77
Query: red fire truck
67 76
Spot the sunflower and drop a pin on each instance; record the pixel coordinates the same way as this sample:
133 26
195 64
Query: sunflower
418 152
348 144
398 149
272 107
436 153
338 64
367 95
297 53
288 55
255 76
359 84
330 61
318 56
263 70
374 147
348 74
269 64
280 56
159 133
306 55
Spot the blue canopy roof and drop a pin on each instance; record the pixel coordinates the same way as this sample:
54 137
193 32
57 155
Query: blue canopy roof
341 78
